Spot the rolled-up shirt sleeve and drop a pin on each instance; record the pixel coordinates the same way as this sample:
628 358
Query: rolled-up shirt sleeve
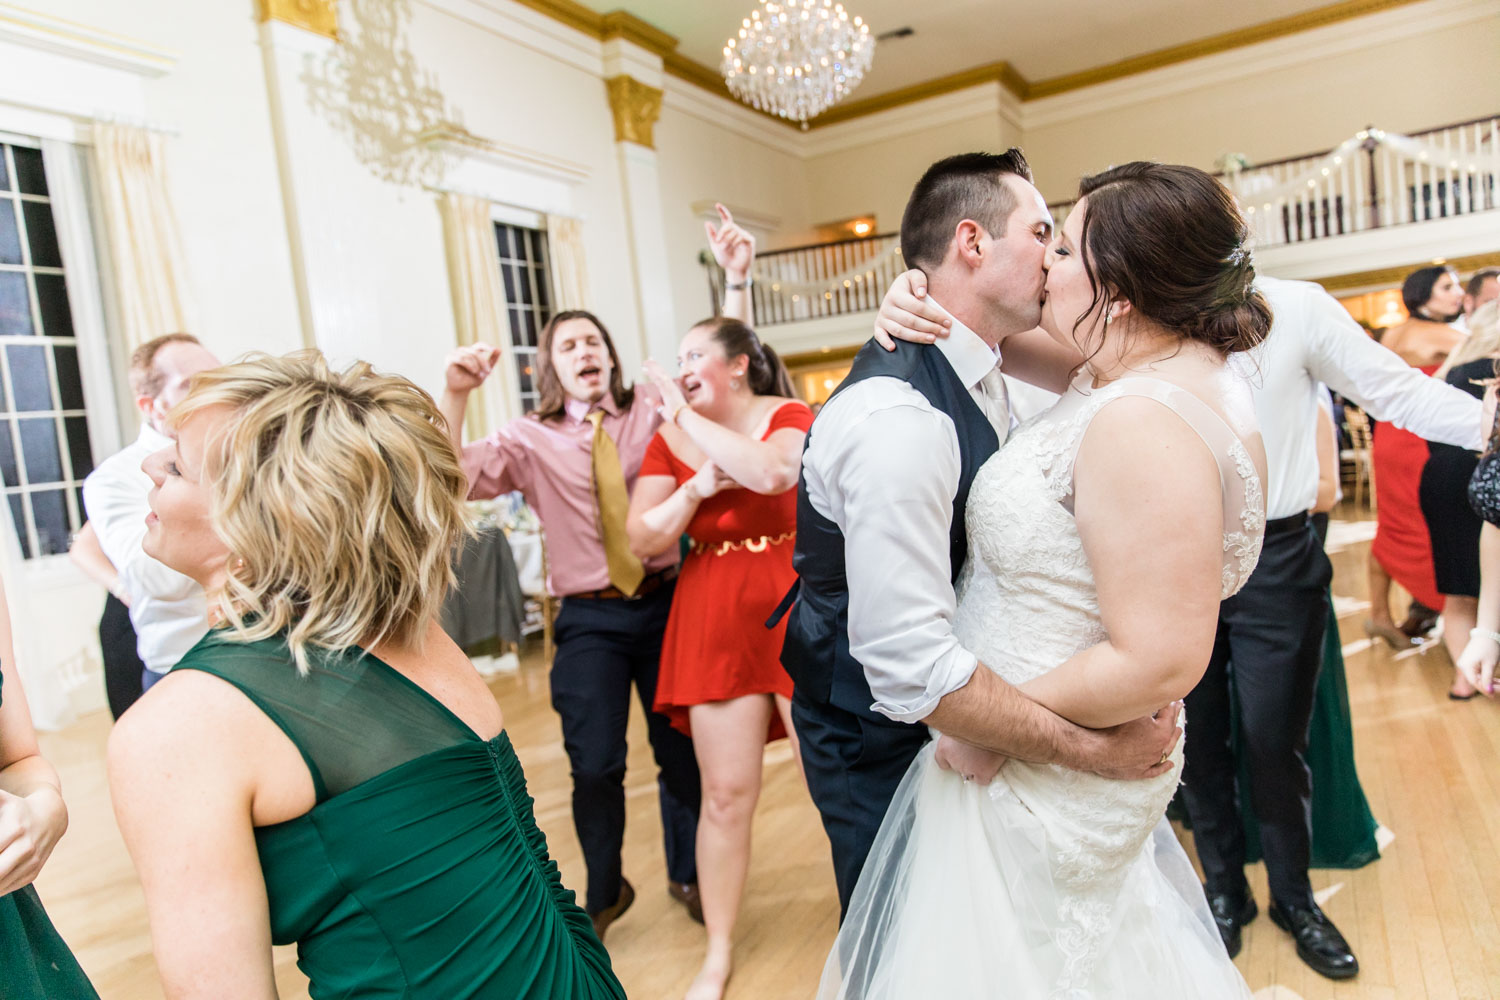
891 488
1341 354
499 463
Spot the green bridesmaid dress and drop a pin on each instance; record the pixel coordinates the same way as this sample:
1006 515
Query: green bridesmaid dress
420 872
35 964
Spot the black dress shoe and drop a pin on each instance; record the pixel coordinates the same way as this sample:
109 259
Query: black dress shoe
1319 943
686 893
614 911
1232 911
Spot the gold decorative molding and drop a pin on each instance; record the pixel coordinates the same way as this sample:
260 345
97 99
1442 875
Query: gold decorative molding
1392 276
1002 73
636 107
623 24
1213 45
318 16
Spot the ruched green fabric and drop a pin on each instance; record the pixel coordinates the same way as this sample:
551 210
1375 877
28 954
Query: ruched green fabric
420 872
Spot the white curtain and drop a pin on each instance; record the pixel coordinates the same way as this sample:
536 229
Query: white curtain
479 305
570 276
144 242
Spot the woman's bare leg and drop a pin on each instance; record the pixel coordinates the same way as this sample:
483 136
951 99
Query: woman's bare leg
729 738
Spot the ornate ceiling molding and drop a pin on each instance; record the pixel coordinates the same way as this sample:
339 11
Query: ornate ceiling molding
622 24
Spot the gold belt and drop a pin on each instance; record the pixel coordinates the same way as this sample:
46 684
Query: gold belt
749 544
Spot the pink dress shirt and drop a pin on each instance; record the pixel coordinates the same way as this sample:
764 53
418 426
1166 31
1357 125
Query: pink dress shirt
551 463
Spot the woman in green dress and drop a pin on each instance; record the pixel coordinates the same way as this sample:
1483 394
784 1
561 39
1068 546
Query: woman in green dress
326 767
34 962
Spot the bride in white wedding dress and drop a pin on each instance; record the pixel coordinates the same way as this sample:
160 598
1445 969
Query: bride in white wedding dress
1102 538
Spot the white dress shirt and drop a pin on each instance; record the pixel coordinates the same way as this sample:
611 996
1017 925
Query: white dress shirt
883 464
167 609
1314 339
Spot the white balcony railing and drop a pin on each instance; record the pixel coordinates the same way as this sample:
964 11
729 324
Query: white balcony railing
1373 180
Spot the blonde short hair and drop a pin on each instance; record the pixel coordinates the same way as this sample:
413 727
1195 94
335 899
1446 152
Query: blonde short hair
339 497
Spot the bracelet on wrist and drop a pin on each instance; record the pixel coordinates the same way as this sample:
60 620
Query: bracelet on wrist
739 286
1494 637
677 411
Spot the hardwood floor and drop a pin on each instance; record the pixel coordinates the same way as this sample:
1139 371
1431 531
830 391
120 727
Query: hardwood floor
1424 919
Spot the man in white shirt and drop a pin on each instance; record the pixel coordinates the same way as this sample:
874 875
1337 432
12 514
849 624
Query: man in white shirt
880 525
167 609
1270 639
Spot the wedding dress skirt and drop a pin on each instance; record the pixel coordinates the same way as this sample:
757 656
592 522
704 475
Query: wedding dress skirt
962 899
1047 884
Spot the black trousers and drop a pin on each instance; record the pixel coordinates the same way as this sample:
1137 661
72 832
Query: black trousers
1266 659
603 646
853 762
122 664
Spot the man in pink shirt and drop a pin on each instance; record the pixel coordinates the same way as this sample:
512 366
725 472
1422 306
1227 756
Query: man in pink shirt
574 459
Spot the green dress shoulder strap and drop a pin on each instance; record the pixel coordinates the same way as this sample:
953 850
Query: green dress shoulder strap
351 716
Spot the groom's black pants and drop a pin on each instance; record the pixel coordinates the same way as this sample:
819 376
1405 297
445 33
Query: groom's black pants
1266 659
853 762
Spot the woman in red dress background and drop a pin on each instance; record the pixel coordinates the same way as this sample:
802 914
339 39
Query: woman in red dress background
1402 549
724 468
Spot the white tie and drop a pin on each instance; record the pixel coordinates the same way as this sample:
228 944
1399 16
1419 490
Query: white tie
996 402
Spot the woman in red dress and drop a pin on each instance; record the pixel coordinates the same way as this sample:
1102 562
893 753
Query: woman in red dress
723 469
1402 550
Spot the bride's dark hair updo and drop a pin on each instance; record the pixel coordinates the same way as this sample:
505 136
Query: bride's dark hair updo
1170 240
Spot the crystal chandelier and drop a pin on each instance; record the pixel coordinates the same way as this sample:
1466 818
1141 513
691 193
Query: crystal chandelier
797 58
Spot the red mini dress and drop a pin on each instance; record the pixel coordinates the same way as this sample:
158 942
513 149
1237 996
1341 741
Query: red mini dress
717 646
1403 545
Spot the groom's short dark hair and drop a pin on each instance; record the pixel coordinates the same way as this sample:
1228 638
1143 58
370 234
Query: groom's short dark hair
967 186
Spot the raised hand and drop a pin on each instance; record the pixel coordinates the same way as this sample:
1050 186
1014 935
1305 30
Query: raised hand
732 245
466 368
28 832
672 399
907 314
969 762
1139 749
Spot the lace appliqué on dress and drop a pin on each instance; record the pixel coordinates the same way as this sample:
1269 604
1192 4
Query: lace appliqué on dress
1027 602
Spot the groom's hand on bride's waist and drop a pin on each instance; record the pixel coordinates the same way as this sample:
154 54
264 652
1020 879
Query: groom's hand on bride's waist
969 762
1134 750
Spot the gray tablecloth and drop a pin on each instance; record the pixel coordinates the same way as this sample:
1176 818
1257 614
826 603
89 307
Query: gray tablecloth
484 612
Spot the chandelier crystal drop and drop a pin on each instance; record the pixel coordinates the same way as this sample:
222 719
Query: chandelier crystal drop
797 58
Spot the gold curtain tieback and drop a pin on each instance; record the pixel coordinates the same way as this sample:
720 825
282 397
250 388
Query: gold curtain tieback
749 544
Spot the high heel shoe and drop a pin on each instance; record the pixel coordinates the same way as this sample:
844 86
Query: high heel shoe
1393 636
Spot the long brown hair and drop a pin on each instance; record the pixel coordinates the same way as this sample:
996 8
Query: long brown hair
553 399
1169 240
764 371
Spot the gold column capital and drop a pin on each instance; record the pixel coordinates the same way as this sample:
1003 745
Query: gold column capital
318 16
636 107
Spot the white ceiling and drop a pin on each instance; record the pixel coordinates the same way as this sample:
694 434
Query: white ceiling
1039 39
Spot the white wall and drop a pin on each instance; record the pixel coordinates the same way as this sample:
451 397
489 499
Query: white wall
222 162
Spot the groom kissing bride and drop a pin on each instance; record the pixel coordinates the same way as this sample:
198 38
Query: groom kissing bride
1042 596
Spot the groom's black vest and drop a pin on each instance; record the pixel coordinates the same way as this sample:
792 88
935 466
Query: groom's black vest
816 652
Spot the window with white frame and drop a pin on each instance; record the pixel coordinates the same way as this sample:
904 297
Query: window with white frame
528 298
44 432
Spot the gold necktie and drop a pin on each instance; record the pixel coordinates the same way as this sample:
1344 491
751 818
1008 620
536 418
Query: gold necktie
625 570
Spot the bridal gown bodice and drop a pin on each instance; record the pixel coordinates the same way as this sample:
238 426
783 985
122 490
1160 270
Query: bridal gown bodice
1075 879
1027 602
